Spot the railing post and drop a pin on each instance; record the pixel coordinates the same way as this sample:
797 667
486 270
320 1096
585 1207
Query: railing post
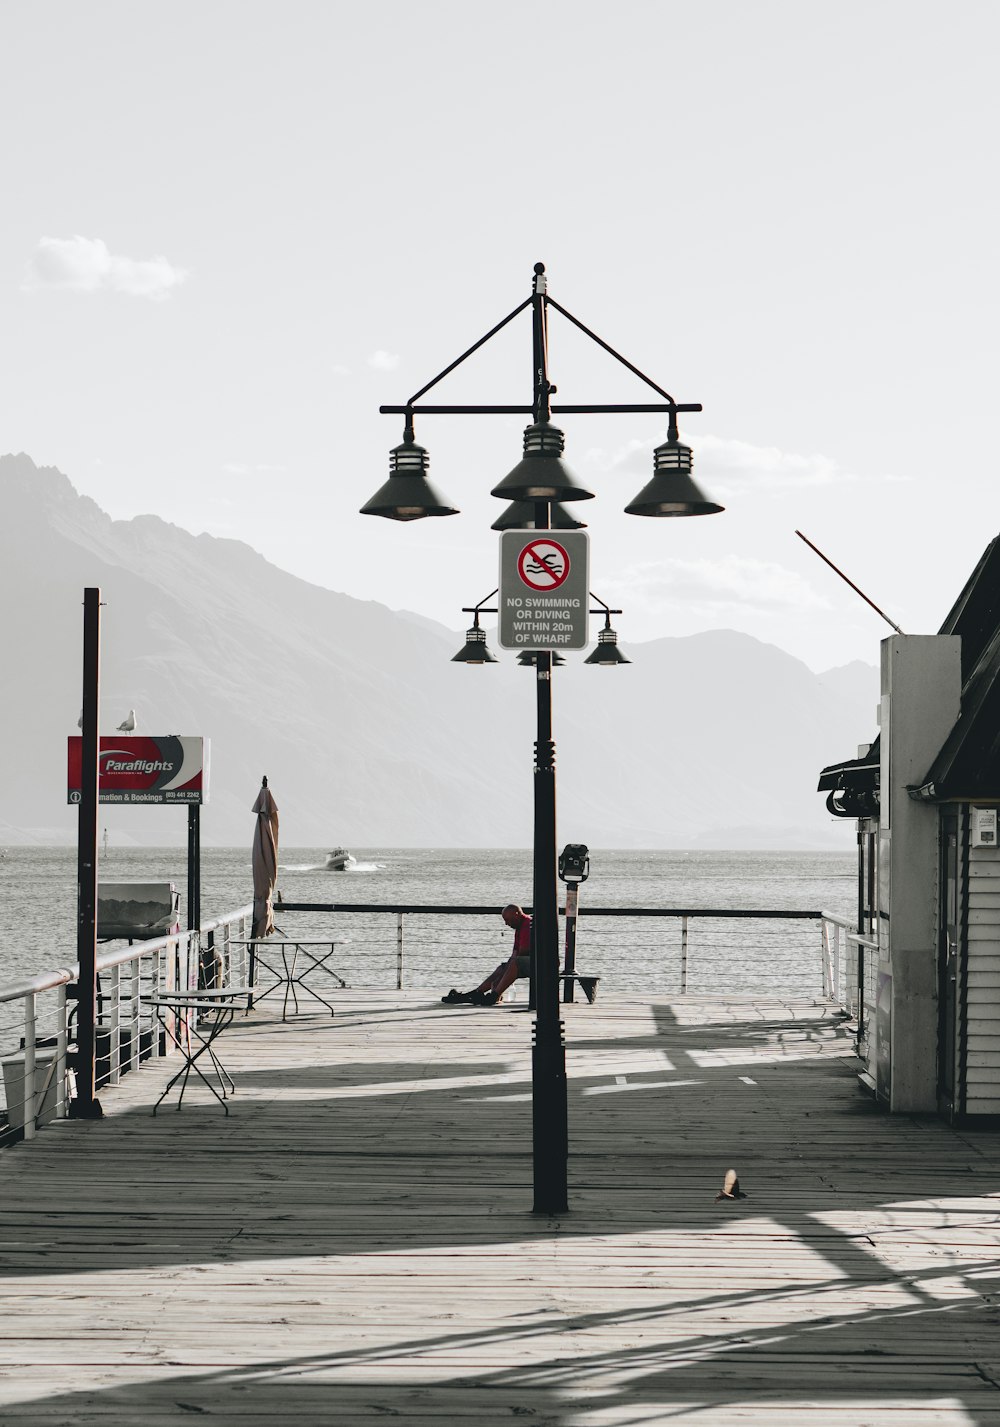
836 963
114 1029
135 1020
399 951
158 1046
208 962
62 1041
827 960
684 955
28 1087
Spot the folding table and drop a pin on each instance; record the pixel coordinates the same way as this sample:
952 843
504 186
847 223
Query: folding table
290 974
194 1020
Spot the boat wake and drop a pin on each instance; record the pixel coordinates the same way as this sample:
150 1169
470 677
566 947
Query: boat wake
322 867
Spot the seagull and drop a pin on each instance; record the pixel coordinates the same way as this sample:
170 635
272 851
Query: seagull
730 1187
127 725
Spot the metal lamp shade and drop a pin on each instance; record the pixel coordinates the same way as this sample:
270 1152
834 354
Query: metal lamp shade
542 474
607 651
408 494
474 651
520 515
672 490
529 658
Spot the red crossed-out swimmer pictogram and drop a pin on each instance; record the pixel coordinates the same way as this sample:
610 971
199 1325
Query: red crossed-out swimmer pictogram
543 564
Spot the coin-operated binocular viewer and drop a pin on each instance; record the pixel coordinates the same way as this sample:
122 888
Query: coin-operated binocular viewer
574 863
574 868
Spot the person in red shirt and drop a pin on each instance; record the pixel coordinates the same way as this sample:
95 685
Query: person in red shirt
489 991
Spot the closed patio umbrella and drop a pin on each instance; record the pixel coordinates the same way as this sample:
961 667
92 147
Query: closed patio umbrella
265 861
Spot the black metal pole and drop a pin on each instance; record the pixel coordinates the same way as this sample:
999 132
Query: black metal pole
569 962
194 866
205 956
550 1132
86 1106
548 1066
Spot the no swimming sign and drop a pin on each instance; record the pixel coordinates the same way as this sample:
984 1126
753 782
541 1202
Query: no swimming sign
544 589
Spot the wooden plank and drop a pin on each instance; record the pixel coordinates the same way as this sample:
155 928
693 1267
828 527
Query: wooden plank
355 1240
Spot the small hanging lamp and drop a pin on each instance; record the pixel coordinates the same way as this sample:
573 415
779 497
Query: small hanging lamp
520 515
607 651
408 494
542 474
672 490
474 650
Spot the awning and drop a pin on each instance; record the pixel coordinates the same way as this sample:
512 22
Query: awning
853 785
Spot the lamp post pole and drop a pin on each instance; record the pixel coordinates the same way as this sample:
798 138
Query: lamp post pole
549 1123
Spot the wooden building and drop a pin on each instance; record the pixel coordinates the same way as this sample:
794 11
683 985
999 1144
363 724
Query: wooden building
925 796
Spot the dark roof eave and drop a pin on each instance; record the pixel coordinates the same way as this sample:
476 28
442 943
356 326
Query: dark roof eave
932 793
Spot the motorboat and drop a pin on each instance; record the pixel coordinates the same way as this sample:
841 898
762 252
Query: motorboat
339 860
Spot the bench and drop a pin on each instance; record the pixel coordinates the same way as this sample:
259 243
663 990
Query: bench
588 984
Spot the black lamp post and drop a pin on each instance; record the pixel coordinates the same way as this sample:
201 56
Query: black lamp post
538 485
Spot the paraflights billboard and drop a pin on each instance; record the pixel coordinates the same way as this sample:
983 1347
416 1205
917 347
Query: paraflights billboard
140 769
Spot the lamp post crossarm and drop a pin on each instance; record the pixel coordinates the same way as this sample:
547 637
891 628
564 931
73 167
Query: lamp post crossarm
459 360
590 409
540 410
482 609
478 608
617 355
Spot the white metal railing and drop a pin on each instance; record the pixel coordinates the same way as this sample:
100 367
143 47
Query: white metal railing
687 950
215 954
864 959
849 960
835 931
439 944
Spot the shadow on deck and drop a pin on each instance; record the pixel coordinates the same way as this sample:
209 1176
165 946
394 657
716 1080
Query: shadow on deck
354 1240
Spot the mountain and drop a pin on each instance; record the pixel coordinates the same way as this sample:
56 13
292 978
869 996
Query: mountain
856 687
368 733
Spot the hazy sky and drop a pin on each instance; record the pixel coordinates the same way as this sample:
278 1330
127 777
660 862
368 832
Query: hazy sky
232 230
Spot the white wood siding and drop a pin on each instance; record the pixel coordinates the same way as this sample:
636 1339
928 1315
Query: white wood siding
982 984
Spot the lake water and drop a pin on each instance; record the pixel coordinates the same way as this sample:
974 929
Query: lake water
38 911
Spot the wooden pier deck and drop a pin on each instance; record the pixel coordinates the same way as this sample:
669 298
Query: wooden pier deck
355 1243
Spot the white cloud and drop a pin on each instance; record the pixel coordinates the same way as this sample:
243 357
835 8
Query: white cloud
715 588
728 465
383 361
86 265
340 371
